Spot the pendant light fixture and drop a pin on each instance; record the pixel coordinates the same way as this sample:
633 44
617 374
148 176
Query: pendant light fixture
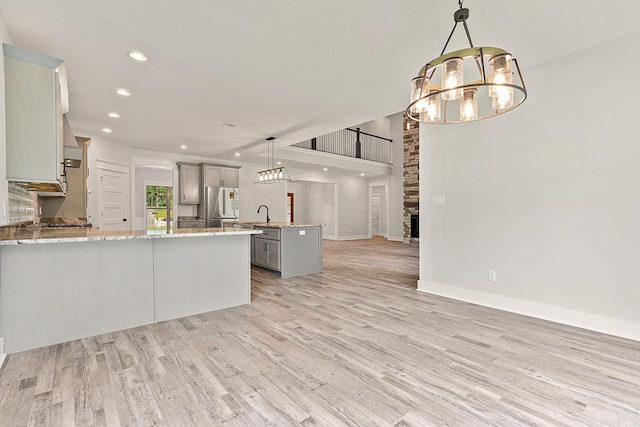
466 85
272 174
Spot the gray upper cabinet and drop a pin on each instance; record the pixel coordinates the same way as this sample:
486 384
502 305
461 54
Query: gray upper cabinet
220 176
211 176
231 177
34 123
189 184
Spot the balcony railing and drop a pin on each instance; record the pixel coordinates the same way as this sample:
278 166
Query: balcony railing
352 143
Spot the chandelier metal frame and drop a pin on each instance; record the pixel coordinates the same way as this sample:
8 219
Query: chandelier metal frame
486 96
272 174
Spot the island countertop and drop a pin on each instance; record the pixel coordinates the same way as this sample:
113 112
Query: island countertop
280 224
36 235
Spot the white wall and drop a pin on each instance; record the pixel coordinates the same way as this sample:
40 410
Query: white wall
5 37
396 189
353 215
378 127
253 195
548 196
314 202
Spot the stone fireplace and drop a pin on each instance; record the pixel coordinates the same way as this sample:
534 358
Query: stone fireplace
411 141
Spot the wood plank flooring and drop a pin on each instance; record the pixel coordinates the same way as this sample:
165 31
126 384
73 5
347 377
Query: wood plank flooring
353 346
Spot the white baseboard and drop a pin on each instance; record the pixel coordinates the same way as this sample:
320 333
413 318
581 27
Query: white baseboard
2 355
396 238
329 237
567 316
364 236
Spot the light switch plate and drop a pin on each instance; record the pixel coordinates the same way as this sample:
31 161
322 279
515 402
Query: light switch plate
302 232
438 200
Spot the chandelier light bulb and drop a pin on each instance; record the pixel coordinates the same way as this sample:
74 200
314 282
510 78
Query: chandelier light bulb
421 106
432 108
418 86
469 105
452 77
502 74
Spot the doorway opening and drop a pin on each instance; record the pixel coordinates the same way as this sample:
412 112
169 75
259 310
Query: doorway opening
379 209
158 208
290 208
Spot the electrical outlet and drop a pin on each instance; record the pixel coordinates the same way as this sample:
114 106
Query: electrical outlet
492 276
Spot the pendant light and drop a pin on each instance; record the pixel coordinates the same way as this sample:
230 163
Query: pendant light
466 85
271 174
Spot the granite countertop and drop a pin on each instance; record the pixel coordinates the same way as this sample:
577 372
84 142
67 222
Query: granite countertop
280 224
35 235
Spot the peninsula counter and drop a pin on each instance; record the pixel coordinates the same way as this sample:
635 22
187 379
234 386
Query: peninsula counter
58 285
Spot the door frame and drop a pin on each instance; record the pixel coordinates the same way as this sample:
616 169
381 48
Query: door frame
158 183
291 206
382 209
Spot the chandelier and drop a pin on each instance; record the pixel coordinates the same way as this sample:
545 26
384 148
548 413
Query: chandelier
272 174
466 85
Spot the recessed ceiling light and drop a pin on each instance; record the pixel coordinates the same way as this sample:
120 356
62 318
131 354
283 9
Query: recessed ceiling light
114 115
184 147
138 56
237 154
325 169
362 174
279 163
123 92
107 130
229 125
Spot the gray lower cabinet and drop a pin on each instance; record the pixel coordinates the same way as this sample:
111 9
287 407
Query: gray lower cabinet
191 223
266 253
266 248
293 251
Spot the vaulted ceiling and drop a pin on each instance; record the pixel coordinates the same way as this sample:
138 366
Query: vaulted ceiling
294 69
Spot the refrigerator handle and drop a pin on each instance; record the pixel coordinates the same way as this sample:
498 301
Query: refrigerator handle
224 202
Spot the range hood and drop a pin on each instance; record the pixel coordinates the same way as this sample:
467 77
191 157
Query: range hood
72 156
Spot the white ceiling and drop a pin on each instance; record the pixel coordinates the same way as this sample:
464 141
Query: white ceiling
293 69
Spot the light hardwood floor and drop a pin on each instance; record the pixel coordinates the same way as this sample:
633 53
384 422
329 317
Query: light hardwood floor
355 345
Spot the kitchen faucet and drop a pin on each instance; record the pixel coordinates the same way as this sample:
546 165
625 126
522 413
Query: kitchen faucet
267 208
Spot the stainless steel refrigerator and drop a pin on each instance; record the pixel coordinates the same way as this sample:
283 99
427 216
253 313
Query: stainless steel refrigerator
220 205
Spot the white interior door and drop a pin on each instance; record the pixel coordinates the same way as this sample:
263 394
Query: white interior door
375 214
112 200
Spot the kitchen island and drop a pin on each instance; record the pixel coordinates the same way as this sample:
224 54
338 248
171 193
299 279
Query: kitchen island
292 249
58 285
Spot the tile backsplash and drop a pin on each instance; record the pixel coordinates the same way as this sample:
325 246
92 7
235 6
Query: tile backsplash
23 204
